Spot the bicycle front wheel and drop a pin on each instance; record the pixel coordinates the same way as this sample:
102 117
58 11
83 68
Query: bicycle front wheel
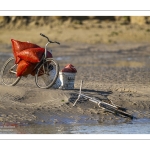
47 73
8 73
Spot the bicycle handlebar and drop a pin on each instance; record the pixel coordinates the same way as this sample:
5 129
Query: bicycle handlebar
48 39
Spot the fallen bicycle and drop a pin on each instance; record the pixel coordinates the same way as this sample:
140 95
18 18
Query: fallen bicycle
109 107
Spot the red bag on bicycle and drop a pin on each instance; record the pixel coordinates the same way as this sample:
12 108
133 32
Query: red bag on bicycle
49 55
32 55
24 68
18 46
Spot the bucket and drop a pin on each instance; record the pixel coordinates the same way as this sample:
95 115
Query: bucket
67 80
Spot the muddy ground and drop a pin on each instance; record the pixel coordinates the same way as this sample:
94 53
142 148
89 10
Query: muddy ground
116 71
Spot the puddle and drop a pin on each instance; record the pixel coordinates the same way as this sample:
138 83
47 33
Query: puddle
69 126
65 119
140 126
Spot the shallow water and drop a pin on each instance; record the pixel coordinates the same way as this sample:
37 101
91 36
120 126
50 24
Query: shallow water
138 126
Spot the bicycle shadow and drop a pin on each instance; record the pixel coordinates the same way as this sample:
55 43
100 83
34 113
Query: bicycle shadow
104 93
101 95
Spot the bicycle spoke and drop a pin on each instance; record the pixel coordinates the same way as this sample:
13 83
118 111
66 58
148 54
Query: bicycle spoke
50 70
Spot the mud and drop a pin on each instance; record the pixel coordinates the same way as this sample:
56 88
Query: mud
116 72
111 58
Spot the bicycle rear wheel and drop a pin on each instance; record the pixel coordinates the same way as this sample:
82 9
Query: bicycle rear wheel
115 110
47 73
8 73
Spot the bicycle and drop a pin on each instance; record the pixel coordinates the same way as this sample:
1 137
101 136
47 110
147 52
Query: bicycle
46 71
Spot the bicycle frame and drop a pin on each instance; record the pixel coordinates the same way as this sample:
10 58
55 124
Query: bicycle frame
43 57
45 54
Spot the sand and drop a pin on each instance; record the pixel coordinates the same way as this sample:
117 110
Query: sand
117 71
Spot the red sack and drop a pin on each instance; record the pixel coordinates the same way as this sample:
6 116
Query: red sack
69 68
32 55
24 68
49 55
18 46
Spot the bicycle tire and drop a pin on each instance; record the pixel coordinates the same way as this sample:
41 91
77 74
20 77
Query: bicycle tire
47 73
115 110
8 76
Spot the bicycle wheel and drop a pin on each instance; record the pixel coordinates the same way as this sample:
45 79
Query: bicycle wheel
8 73
115 110
47 74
